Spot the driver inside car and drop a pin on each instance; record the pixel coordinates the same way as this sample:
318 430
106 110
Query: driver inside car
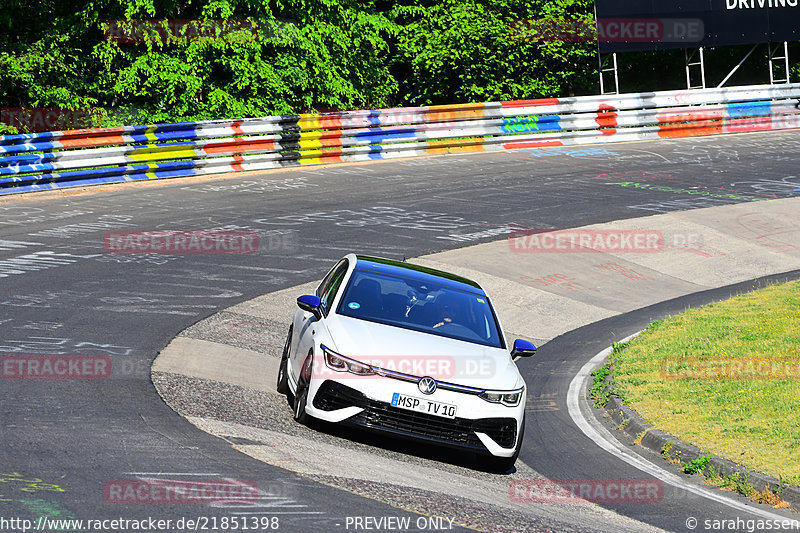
447 311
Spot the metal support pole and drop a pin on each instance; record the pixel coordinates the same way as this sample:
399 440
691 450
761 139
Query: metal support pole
613 69
773 59
732 72
699 62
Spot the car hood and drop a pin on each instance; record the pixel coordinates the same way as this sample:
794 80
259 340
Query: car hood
423 354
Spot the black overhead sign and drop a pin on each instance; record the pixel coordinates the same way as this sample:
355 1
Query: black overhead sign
631 25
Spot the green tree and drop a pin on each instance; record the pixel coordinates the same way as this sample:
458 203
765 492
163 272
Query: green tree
467 51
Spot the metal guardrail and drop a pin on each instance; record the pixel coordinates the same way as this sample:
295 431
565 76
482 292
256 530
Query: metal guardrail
59 159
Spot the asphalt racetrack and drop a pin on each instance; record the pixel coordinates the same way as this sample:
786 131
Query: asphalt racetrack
66 443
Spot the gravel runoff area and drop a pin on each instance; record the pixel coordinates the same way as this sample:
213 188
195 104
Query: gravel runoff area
201 400
259 422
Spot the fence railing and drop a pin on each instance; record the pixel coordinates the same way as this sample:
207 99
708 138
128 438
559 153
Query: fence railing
58 159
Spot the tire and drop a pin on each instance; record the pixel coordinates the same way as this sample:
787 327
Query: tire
501 465
283 377
301 394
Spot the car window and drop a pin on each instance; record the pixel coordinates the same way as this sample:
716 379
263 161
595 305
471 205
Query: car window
327 291
323 285
421 306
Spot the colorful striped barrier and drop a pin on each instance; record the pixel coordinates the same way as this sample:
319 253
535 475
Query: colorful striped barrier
58 159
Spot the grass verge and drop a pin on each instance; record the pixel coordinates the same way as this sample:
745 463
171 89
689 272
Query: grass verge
725 378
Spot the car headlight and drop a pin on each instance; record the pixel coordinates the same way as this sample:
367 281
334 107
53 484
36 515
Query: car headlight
340 363
334 362
360 369
510 398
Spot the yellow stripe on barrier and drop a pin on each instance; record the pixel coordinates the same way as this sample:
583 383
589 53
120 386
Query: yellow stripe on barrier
154 152
318 157
309 122
310 157
152 175
447 146
310 144
151 133
440 116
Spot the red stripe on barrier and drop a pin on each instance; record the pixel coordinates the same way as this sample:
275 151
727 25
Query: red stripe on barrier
530 144
606 119
333 120
330 158
690 130
691 116
530 103
690 123
741 125
237 127
241 145
331 142
91 140
92 131
238 164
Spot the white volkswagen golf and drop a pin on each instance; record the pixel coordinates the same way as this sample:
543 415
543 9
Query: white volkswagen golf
409 351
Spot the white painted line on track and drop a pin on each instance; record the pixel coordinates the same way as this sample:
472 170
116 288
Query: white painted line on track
171 474
603 438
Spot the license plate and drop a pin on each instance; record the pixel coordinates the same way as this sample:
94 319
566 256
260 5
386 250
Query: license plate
422 405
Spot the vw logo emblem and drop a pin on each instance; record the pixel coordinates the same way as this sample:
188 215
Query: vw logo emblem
427 385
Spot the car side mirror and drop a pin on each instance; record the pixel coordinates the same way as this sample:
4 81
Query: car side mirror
310 304
523 348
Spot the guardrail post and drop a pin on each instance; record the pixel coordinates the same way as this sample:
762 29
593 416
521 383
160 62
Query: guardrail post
613 69
773 59
698 62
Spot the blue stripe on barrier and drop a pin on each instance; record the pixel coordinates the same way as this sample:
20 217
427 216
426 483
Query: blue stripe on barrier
163 135
94 181
750 109
30 147
378 135
26 169
14 160
375 152
374 118
156 168
531 124
8 139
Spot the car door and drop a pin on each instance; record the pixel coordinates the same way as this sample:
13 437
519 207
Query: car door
307 327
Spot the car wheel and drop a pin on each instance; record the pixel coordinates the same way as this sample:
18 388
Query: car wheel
283 377
501 465
301 394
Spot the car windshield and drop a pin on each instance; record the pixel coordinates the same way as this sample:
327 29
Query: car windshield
421 305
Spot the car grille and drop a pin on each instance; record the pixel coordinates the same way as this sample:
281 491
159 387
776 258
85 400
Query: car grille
379 415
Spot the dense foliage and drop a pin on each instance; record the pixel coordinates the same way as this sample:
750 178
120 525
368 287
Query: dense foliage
292 56
303 55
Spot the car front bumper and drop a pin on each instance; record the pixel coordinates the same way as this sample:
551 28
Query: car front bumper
491 429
